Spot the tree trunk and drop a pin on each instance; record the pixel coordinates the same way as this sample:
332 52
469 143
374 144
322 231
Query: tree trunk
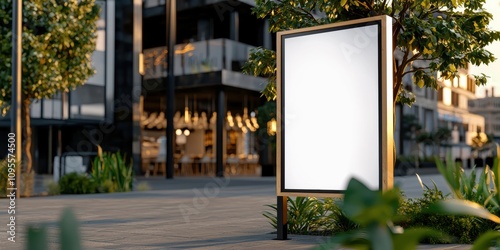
27 135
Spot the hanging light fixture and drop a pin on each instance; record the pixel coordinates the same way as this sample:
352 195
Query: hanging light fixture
254 120
230 119
271 127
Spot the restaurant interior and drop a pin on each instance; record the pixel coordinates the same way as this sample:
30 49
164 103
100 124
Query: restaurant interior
195 132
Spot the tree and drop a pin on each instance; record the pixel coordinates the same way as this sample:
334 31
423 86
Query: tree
435 139
58 39
445 34
410 127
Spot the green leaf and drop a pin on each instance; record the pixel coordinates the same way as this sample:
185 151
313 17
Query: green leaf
463 207
37 238
485 240
357 239
69 231
410 238
365 206
380 237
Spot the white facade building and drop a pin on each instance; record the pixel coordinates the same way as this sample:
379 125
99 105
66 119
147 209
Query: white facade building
489 107
445 108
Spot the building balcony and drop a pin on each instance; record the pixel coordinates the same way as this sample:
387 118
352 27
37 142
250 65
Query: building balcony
203 63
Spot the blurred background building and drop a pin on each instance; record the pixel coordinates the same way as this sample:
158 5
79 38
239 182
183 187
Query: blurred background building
122 107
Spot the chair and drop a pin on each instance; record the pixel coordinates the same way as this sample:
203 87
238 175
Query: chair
186 165
232 165
149 152
161 159
252 163
207 165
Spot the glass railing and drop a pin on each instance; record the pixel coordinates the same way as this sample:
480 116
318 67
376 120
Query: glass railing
197 57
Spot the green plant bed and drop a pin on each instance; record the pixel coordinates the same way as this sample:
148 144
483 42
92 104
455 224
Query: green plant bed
371 219
311 216
461 229
111 172
75 183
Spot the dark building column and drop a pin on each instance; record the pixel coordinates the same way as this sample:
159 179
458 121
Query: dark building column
171 24
234 32
267 41
137 86
219 137
125 135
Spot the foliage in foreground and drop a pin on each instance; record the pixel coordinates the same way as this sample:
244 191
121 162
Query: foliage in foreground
387 220
481 188
461 229
375 213
69 234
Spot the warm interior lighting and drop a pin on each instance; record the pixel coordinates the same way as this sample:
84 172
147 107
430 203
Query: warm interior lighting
271 127
187 116
187 132
188 48
178 132
141 64
230 119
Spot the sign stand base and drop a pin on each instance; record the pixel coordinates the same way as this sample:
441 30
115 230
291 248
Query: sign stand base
282 220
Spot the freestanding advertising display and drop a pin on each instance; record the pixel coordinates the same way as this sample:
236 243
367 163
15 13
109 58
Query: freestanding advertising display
335 113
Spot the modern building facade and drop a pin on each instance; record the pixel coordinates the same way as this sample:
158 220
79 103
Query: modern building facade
122 107
445 108
489 108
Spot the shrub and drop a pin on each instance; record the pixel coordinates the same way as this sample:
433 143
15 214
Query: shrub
481 189
111 173
4 172
75 183
462 229
27 180
308 215
69 234
374 212
52 188
107 187
143 186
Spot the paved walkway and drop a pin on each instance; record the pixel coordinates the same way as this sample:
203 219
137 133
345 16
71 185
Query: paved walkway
183 213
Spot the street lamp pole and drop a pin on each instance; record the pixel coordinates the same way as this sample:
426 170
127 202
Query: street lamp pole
171 23
15 120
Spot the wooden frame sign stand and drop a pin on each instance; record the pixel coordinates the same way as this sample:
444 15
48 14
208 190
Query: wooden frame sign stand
335 110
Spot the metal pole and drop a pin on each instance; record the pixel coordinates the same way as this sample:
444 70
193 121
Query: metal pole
282 218
171 37
15 121
219 132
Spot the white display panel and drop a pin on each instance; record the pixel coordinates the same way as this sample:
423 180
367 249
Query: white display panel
331 89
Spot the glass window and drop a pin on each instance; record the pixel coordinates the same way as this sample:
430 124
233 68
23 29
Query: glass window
87 102
52 108
36 109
